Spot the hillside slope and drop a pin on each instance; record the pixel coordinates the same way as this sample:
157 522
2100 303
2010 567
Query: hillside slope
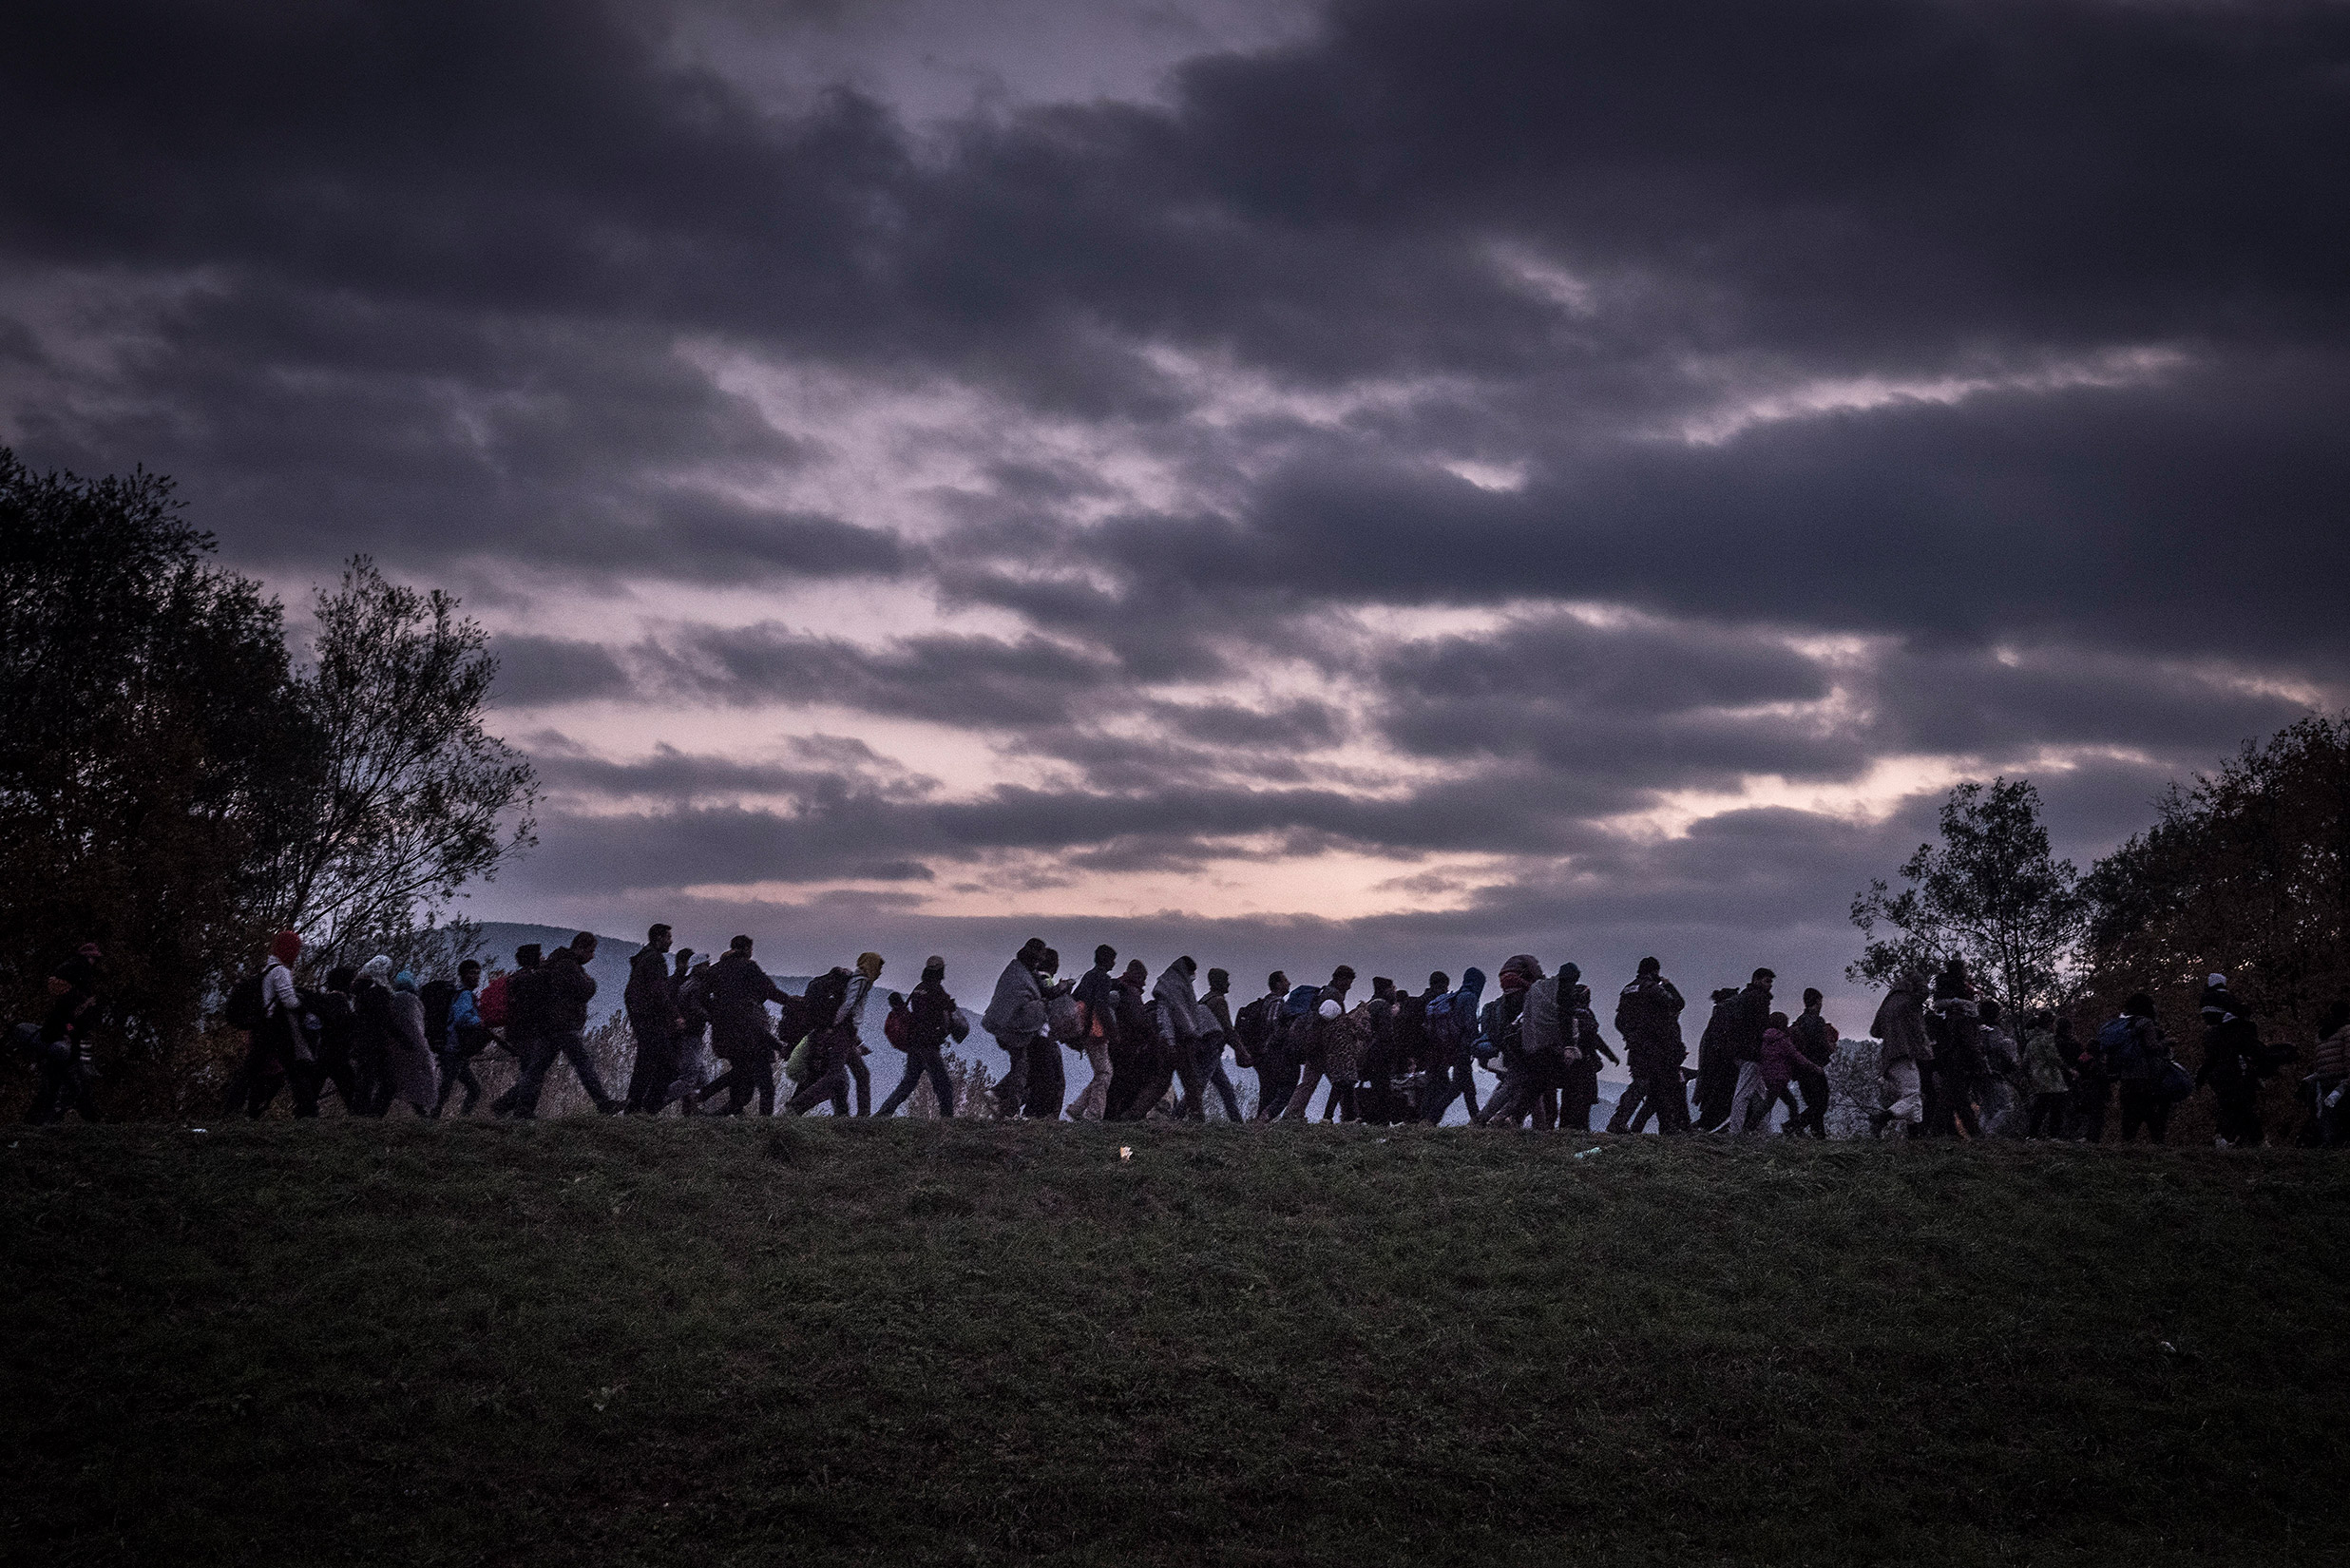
856 1342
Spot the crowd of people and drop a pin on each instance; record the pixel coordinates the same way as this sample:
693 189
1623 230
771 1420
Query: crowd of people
710 1033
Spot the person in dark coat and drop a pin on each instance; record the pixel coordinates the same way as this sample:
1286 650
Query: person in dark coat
1717 1060
2232 1064
1015 1017
2093 1083
1578 1086
526 1021
1135 1049
61 1043
566 989
931 1018
1750 1099
2142 1063
740 1032
651 1002
1261 1033
1523 1026
1648 1015
1048 1078
1452 1030
1215 1032
1816 1038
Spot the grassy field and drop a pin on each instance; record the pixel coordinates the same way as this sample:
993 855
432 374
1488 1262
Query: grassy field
669 1343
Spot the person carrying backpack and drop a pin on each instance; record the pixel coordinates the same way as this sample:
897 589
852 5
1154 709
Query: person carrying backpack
1216 1028
1258 1031
1315 1031
1817 1039
518 1003
1136 1047
2133 1043
834 1006
465 1035
931 1017
565 989
1048 1078
738 993
1450 1070
271 1016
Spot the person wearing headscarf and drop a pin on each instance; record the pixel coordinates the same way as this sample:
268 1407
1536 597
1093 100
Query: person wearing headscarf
834 1046
278 1044
409 1070
1134 1048
1016 1017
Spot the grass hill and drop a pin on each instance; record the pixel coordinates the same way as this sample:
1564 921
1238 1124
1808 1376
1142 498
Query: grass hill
628 1342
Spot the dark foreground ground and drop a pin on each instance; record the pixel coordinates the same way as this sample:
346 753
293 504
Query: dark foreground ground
621 1343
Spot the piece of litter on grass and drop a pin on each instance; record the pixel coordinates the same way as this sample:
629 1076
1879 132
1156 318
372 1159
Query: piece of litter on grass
1125 1153
199 1129
1587 1153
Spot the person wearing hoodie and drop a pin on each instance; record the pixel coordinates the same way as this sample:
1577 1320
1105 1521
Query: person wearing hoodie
567 988
1096 997
1312 1039
1817 1039
836 1042
931 1018
1648 1015
1500 1028
1448 1069
1901 1025
409 1070
1017 1018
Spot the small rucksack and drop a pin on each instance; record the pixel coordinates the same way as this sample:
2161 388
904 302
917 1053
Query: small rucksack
1065 1020
898 1028
820 1003
490 1000
241 1008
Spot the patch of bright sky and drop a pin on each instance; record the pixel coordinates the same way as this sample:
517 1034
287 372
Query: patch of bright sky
1810 398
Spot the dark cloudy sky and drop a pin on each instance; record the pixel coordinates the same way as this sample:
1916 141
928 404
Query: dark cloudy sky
1398 482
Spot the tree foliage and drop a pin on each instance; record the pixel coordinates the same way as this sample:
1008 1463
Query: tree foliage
2246 872
1990 892
410 798
152 747
172 787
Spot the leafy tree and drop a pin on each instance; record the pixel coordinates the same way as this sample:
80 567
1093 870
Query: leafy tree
411 798
1991 893
151 749
2246 872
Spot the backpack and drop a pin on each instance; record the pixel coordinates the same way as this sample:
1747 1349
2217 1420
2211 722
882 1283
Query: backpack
898 1028
1065 1020
820 1003
490 1000
1443 1027
241 1008
2122 1043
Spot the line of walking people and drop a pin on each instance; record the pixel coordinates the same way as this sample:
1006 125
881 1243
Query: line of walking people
711 1033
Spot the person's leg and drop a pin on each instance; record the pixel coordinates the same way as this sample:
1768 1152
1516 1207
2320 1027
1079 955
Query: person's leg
1013 1092
905 1085
941 1086
831 1084
863 1078
1276 1080
1903 1098
1302 1096
1092 1103
1221 1082
763 1079
523 1091
573 1046
1048 1082
1746 1099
